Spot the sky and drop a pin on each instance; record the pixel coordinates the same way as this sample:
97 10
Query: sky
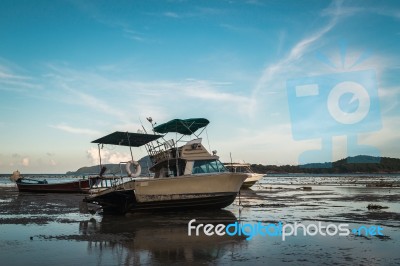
73 71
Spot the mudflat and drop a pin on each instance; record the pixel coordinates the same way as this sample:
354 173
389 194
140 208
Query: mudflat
48 229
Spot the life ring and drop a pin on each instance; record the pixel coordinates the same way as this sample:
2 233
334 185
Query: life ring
137 166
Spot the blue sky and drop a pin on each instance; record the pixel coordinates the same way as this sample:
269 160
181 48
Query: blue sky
73 71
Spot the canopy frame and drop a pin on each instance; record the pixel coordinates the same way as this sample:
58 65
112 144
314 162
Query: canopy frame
125 139
183 126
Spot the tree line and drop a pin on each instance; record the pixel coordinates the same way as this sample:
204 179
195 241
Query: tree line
357 164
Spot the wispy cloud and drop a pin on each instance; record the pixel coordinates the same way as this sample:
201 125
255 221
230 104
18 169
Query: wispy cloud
102 17
255 2
346 11
12 81
95 103
209 94
133 34
207 90
4 74
171 14
263 145
145 96
240 29
196 12
271 72
209 11
75 130
390 99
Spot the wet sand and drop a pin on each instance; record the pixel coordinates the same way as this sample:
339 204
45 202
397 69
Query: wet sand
48 229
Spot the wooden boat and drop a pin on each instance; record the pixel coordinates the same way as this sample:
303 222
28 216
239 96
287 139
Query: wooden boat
185 177
42 186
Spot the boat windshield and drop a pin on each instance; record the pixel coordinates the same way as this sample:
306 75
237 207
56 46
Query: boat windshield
208 166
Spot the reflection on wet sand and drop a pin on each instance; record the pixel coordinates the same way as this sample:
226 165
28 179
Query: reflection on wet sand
162 238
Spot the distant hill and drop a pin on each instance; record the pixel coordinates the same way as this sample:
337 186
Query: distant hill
144 162
356 164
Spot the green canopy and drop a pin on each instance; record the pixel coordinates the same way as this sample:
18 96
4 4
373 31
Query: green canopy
127 139
182 126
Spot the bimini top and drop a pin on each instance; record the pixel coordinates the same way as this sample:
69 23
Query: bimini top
127 139
182 126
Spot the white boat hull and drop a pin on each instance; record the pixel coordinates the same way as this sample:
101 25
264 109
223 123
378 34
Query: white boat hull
251 179
187 186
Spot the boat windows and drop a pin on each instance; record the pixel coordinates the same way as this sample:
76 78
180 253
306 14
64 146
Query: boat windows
239 169
208 166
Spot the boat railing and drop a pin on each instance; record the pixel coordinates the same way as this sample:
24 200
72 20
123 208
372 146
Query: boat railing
168 144
104 182
163 151
112 180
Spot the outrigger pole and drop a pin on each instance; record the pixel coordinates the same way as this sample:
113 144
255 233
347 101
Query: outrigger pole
98 145
129 142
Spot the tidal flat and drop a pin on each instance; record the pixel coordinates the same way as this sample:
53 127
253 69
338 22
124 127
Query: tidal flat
49 229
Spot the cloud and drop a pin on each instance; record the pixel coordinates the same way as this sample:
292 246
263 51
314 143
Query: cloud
171 14
51 161
74 130
134 35
11 81
240 29
5 75
347 11
206 90
95 103
91 89
209 94
271 72
25 161
390 99
96 13
387 140
337 9
107 156
267 146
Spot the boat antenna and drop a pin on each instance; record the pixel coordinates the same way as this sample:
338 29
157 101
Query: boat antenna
150 119
208 140
176 156
145 131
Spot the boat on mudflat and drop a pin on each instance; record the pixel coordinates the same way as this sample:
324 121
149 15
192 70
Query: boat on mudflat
252 177
186 175
42 186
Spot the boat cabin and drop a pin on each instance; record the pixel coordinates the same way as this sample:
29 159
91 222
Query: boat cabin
191 158
239 167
